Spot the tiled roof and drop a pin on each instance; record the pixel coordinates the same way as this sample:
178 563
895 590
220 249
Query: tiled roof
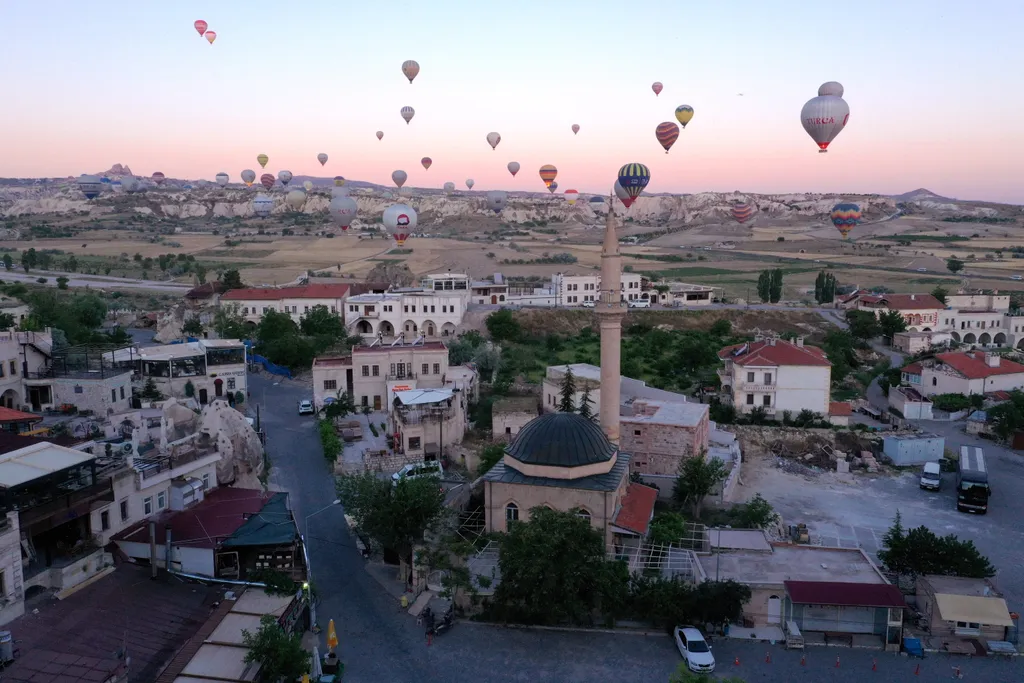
609 481
907 302
840 408
11 415
780 352
276 294
972 365
206 291
912 369
561 440
846 594
636 509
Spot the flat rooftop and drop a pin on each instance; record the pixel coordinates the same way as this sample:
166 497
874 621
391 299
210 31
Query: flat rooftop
788 562
739 539
426 345
629 388
665 413
38 460
332 362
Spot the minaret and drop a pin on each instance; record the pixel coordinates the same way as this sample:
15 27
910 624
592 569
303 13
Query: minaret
610 309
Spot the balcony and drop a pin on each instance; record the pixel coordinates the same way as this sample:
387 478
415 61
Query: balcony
401 376
757 388
768 410
370 314
430 415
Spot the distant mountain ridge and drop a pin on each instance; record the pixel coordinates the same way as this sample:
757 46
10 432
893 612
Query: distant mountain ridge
921 194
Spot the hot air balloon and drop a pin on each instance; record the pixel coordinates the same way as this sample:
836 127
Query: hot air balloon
295 199
407 114
496 200
200 26
470 183
572 196
222 179
845 217
158 178
211 36
400 220
322 158
248 177
824 117
339 181
684 113
343 210
308 185
575 128
380 135
285 177
493 139
548 174
513 168
831 88
186 186
634 178
267 180
449 187
596 199
262 159
410 68
667 134
340 191
90 185
621 193
553 187
262 204
105 180
399 178
426 161
743 212
656 87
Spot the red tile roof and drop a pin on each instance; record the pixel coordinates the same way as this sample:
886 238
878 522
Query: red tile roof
206 291
840 408
972 365
11 415
780 352
907 302
847 594
206 524
275 294
636 508
912 369
999 395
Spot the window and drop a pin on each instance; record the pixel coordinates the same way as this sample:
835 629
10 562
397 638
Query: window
935 380
750 377
231 383
330 384
414 443
582 514
636 432
206 481
147 505
767 378
3 583
161 500
113 395
124 510
334 309
306 307
766 400
122 392
750 399
511 513
105 520
401 369
364 401
245 311
407 308
376 371
444 309
437 368
366 371
14 368
425 369
968 628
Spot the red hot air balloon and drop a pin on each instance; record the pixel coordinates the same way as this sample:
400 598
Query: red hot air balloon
667 133
267 180
200 26
158 178
426 161
656 87
743 212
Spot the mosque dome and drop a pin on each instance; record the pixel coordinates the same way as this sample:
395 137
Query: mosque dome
561 440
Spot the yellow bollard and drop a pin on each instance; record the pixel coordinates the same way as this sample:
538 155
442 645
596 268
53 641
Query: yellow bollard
405 602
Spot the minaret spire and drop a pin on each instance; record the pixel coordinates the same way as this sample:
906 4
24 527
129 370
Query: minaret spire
610 309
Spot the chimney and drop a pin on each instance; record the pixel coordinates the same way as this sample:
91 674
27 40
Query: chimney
992 360
800 342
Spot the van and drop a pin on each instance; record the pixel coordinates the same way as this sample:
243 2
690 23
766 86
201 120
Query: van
931 476
640 303
417 470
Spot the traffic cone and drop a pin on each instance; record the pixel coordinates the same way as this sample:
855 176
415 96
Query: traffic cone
837 661
803 660
917 671
767 657
430 639
736 662
874 664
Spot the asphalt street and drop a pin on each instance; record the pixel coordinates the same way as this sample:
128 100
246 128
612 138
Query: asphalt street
380 642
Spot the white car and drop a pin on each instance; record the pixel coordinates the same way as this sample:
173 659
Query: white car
640 303
694 649
417 470
1016 277
589 304
306 408
922 270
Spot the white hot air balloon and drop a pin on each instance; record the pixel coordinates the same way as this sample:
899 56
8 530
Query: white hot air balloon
248 177
407 114
831 88
470 183
285 177
496 200
262 204
322 158
400 220
340 191
295 199
449 187
222 179
621 193
308 185
90 185
399 178
343 210
493 139
824 117
513 168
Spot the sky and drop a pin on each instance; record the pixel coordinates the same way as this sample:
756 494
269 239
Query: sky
933 88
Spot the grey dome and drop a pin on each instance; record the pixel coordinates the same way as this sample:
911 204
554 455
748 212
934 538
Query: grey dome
561 440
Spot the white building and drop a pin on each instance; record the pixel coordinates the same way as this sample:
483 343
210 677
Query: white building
410 312
964 372
575 290
448 283
204 369
921 312
682 294
252 303
777 376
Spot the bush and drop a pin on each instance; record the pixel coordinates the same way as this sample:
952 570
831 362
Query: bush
329 440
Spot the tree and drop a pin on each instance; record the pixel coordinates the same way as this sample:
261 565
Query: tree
567 392
890 323
193 327
231 280
586 403
775 286
332 445
29 259
697 478
62 282
954 265
920 552
489 457
764 286
862 324
280 655
7 321
720 328
320 322
150 392
502 326
668 528
200 271
825 287
71 263
940 293
341 406
1008 417
757 513
554 571
229 323
8 261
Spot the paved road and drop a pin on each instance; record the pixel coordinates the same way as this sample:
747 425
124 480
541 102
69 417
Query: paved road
95 281
380 642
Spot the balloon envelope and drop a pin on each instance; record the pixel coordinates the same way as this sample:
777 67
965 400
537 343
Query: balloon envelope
131 185
267 180
513 168
572 196
400 220
407 114
285 177
222 179
575 128
211 36
380 135
410 68
322 158
308 185
470 183
426 161
262 159
262 205
295 199
90 185
634 178
248 177
399 178
656 87
496 200
449 187
339 181
824 117
667 134
552 187
343 210
742 212
493 139
845 216
684 113
548 173
159 178
833 88
200 26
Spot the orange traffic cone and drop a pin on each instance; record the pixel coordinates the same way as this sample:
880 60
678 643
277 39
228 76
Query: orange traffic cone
736 662
874 664
803 660
837 661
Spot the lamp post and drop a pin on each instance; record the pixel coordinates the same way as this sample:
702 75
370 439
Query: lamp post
309 566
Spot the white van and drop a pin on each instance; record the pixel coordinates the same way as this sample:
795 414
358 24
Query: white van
639 303
416 470
931 476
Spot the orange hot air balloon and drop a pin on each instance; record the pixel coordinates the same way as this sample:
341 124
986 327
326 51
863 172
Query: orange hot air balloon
211 36
426 161
200 26
667 134
548 173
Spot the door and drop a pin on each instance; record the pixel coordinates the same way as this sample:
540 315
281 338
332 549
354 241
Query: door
774 610
376 403
218 387
494 298
203 396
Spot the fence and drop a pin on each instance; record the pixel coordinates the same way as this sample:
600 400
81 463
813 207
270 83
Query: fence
272 368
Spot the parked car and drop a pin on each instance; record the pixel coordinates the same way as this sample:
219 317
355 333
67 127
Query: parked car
306 408
1017 277
694 649
640 303
931 476
588 304
416 470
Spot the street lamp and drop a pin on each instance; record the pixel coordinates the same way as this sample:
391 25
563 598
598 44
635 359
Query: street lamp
309 566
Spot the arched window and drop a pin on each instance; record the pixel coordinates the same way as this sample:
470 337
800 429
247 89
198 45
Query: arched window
582 513
511 513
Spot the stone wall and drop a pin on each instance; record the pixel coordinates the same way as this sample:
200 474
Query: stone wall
658 449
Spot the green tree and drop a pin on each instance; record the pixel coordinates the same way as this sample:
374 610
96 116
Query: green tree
586 403
567 392
280 655
7 321
329 441
503 326
489 457
757 513
487 359
697 479
775 286
200 271
890 323
940 293
554 571
1007 418
29 259
229 323
62 282
320 322
8 261
668 528
193 327
150 392
720 328
231 280
863 324
825 287
954 265
71 263
341 406
764 286
919 552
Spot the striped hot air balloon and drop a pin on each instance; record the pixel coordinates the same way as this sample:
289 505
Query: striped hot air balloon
742 212
634 178
267 180
571 196
548 173
845 216
408 113
410 68
426 161
667 134
159 178
262 159
339 181
513 168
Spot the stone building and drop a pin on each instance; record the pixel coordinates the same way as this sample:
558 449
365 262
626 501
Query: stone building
659 434
425 422
252 303
511 414
406 313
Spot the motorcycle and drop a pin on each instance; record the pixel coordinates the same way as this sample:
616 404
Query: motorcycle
434 624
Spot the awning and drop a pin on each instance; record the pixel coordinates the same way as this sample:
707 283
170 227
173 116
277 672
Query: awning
974 609
844 594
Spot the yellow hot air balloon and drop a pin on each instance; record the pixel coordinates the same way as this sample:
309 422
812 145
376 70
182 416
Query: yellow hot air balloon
684 113
262 159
